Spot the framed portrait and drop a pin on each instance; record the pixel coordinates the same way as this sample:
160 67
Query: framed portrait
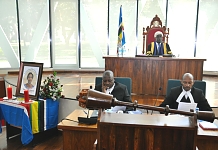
29 78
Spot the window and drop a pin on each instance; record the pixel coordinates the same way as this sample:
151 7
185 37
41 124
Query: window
9 51
207 34
34 31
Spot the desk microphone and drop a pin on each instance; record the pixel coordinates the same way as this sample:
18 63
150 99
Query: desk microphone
158 93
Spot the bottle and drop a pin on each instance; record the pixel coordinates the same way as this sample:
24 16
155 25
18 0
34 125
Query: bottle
120 51
196 110
124 51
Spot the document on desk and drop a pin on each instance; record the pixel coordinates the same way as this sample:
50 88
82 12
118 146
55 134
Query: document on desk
117 108
187 106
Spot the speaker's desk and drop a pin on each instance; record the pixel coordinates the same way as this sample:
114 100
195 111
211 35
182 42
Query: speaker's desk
77 136
150 73
82 137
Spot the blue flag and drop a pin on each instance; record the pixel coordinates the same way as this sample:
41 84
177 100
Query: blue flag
121 36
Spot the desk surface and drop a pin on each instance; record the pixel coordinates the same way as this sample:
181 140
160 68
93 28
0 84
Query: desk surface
74 125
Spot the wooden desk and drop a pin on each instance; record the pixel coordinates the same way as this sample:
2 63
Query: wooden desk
77 136
146 132
150 73
207 139
81 137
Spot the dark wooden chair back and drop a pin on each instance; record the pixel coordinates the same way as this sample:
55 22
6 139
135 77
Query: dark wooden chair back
2 87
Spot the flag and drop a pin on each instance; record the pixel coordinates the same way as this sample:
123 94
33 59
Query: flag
121 36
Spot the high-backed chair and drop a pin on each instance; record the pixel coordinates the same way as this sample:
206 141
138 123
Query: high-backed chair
123 80
174 82
155 25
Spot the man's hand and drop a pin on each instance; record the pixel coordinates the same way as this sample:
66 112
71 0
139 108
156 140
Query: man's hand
82 102
82 98
104 88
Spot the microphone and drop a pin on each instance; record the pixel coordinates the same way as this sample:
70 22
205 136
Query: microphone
158 93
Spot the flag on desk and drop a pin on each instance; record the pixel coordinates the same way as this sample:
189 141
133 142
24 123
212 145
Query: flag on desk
121 36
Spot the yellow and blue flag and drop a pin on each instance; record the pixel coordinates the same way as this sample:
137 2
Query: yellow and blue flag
121 36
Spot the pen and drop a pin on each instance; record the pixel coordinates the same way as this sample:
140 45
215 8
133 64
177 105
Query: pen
86 113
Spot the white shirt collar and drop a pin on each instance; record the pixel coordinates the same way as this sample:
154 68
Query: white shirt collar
109 91
186 94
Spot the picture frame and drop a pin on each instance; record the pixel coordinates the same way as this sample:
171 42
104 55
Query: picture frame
30 75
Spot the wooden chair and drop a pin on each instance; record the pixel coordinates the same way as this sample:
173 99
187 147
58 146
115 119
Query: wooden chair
155 25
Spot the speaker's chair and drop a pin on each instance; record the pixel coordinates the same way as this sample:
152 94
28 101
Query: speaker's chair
155 25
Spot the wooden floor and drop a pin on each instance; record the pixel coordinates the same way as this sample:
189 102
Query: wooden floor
73 83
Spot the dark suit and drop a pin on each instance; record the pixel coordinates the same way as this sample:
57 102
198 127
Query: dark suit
197 95
119 92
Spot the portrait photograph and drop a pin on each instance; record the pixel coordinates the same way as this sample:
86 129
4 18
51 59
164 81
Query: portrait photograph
29 81
29 78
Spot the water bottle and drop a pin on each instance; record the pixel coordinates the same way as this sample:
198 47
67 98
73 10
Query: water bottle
124 51
120 51
196 109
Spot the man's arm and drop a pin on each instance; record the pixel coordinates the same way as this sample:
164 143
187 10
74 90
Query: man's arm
203 104
169 100
126 97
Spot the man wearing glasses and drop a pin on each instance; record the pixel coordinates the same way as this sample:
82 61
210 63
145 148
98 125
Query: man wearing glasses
187 93
110 86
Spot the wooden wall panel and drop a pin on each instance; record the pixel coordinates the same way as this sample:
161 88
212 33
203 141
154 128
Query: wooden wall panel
150 73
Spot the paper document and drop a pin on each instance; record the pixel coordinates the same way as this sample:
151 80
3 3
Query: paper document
187 106
135 112
117 108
